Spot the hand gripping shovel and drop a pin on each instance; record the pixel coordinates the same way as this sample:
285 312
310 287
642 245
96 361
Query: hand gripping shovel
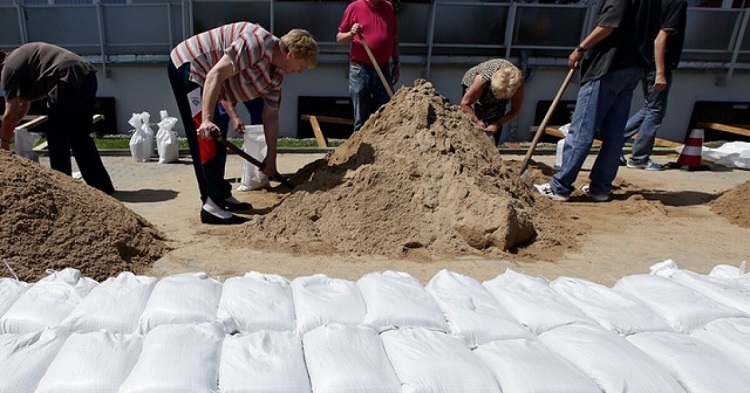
276 176
524 173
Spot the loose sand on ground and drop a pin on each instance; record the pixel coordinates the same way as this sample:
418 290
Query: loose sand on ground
418 190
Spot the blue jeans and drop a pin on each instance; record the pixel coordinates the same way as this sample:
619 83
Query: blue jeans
367 91
602 105
646 122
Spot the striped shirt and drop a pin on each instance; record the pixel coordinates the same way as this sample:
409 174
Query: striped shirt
249 48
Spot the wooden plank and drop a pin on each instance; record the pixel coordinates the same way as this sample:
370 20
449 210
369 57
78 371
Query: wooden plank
33 122
328 119
318 133
554 131
738 129
42 146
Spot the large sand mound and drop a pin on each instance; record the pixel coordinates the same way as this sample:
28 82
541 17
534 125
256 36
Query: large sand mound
734 205
418 179
51 221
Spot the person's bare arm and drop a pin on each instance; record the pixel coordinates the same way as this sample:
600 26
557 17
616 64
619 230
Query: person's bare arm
348 36
596 36
214 79
237 123
15 110
395 57
660 49
271 131
472 95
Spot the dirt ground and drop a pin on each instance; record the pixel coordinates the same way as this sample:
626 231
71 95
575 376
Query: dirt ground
653 216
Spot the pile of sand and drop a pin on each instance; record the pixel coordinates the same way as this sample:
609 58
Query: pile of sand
51 221
734 205
417 180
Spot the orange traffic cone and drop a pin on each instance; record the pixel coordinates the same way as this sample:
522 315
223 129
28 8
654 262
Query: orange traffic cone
690 158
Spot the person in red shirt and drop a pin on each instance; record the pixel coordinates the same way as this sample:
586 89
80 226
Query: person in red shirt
375 21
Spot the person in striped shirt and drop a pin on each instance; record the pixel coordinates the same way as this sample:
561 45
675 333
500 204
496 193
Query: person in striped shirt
231 64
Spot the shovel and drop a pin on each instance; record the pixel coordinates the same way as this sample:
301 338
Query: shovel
527 174
376 65
276 176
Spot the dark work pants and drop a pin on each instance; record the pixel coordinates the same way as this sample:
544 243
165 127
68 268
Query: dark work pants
69 126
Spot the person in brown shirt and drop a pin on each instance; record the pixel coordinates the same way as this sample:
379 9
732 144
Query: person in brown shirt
41 71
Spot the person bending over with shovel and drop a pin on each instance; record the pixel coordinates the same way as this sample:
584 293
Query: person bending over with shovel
487 88
234 63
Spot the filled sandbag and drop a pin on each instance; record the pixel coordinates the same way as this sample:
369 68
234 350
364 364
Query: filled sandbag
10 291
256 302
25 358
472 313
94 362
47 302
114 305
730 335
696 365
178 358
611 310
432 361
683 308
181 298
526 365
609 360
533 302
265 361
319 300
348 359
416 308
254 144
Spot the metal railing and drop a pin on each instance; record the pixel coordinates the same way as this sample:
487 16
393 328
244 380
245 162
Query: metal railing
430 33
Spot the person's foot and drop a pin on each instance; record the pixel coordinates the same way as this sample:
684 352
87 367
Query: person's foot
208 218
233 205
655 166
623 160
546 190
633 164
594 197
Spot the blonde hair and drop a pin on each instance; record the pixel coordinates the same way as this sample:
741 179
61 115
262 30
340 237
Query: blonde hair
505 82
301 44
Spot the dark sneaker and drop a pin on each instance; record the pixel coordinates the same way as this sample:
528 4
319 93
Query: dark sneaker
594 197
655 166
546 190
623 160
636 164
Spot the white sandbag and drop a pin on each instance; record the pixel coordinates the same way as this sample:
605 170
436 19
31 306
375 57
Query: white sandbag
10 291
526 365
142 140
432 361
683 308
178 358
24 142
731 154
254 144
533 302
181 298
319 300
114 305
263 362
727 271
726 292
167 145
609 360
472 313
94 362
611 310
696 365
348 359
256 302
25 358
396 299
730 335
47 302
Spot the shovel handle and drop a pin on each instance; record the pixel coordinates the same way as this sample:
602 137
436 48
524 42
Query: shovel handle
376 65
542 126
276 176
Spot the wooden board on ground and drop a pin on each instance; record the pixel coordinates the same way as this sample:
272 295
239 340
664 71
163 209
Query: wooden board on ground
737 129
315 124
555 131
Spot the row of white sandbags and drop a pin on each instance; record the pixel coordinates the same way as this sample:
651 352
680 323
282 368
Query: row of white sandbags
340 358
512 305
